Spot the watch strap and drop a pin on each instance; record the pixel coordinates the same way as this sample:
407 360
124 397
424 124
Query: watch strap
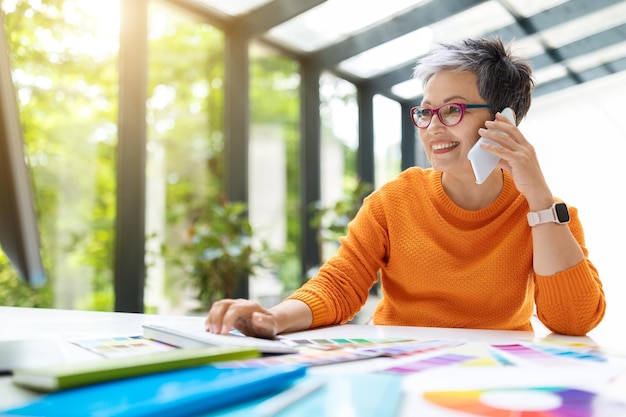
549 215
540 217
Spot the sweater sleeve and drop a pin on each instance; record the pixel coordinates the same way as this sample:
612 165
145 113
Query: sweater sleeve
572 301
341 287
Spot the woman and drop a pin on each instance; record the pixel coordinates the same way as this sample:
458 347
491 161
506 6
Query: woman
451 252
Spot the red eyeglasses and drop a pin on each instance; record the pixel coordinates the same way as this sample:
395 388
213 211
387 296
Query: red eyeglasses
450 114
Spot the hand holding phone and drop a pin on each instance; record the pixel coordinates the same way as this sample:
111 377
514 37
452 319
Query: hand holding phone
483 162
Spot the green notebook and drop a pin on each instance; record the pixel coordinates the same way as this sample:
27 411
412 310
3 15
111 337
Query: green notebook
70 375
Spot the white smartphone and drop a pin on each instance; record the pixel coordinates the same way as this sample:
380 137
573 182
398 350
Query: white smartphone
484 162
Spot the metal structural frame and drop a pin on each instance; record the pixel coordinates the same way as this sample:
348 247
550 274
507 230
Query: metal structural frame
239 32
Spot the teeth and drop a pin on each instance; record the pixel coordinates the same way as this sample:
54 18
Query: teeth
444 146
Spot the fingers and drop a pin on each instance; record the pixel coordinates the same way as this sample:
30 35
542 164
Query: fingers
502 128
249 317
503 132
215 317
518 156
500 116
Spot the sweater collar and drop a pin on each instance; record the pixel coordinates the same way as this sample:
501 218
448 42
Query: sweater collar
507 197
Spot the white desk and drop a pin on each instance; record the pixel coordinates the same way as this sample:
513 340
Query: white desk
58 326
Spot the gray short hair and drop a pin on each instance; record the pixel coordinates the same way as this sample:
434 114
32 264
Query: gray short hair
504 80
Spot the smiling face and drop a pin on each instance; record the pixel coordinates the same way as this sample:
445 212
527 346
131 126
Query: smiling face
447 147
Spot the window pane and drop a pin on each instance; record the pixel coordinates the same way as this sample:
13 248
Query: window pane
387 138
64 59
273 168
339 180
184 166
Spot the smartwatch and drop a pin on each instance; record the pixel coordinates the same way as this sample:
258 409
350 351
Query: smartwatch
558 213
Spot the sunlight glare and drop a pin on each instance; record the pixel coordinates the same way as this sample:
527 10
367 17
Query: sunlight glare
106 15
8 6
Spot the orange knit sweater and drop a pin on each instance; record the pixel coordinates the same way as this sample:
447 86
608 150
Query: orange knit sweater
443 266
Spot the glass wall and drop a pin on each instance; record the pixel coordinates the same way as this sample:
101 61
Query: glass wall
64 58
184 166
387 138
273 169
339 130
64 55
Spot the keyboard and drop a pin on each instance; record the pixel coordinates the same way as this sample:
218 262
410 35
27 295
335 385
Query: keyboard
190 335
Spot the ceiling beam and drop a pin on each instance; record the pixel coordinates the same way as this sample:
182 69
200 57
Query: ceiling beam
272 14
573 50
562 13
568 11
515 31
206 13
592 43
393 28
258 21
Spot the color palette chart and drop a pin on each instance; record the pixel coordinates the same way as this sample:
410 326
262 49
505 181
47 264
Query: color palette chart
447 359
527 402
570 351
342 343
529 354
413 356
306 357
548 355
529 378
413 348
467 355
115 347
324 353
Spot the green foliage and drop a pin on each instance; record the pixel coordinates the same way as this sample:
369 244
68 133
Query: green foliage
67 86
220 251
97 301
185 114
15 293
66 73
275 100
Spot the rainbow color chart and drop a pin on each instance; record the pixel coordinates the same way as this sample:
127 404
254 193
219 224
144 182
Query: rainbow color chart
464 355
529 378
527 402
514 354
120 346
341 343
324 353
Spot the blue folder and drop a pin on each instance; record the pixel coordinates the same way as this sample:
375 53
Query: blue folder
360 395
187 392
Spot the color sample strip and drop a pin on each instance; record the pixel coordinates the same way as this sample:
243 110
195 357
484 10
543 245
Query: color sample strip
344 342
503 360
413 348
570 353
446 359
306 357
528 354
568 343
483 355
574 349
312 355
120 346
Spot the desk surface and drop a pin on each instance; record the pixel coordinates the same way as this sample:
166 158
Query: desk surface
59 326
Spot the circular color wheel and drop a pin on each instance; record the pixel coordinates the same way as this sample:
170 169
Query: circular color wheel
553 402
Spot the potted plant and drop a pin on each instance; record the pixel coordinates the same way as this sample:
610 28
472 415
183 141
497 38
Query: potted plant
220 251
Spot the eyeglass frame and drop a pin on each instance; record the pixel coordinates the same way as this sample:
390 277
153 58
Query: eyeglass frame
462 106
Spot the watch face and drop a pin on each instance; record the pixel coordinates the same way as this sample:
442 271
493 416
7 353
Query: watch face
562 213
